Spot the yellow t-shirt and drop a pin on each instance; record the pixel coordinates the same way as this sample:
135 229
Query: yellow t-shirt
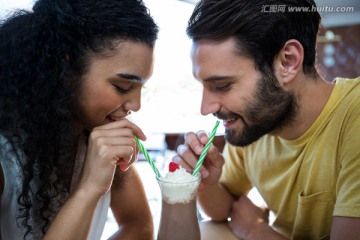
306 181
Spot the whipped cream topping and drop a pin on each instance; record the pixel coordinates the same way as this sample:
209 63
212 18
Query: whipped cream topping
179 186
179 176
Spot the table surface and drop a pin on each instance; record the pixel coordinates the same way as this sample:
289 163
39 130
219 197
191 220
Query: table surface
216 230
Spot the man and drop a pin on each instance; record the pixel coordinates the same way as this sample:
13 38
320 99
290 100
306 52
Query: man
291 134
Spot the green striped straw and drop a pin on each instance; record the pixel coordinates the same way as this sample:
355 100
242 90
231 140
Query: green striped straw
147 156
206 148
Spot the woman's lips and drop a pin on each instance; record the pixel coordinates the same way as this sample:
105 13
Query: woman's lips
113 118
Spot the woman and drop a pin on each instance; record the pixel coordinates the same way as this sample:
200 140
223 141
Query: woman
71 71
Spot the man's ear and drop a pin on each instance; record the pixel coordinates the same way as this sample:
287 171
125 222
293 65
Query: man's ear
289 61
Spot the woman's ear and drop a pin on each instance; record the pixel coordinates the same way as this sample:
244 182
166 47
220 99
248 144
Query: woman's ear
289 61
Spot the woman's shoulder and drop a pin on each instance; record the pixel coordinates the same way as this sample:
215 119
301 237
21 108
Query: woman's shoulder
5 148
10 169
1 170
2 180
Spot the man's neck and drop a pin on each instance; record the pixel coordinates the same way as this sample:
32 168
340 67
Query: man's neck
311 96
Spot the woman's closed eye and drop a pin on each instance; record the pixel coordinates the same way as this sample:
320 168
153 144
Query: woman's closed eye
123 89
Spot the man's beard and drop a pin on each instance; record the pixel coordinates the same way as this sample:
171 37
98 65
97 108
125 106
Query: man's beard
271 109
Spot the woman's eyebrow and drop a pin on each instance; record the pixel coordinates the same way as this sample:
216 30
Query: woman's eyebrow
130 77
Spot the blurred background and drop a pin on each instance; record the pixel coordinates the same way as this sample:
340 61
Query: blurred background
171 99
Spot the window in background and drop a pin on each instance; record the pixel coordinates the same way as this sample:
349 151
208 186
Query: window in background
172 97
6 6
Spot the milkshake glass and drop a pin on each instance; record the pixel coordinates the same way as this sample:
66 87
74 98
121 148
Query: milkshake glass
179 213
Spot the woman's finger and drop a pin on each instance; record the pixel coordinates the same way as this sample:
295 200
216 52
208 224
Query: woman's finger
123 123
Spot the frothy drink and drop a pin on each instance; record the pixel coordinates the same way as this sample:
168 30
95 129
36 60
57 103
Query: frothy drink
178 215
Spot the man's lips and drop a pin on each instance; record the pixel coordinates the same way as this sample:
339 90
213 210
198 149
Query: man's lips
229 122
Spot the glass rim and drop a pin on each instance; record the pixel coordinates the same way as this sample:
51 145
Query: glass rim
163 180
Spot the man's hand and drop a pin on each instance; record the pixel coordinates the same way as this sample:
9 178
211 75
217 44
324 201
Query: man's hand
247 218
188 156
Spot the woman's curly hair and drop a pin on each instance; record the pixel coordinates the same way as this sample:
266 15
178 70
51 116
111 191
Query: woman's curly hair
44 54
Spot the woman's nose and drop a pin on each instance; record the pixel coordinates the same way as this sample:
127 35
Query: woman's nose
133 103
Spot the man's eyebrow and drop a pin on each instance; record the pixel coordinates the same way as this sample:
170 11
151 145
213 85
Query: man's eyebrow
217 78
130 77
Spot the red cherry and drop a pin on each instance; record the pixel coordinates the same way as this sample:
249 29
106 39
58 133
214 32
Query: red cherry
173 166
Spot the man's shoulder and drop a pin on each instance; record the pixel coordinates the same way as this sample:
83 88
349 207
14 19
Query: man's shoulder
348 84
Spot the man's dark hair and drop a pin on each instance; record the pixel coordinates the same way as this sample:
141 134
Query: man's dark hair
260 27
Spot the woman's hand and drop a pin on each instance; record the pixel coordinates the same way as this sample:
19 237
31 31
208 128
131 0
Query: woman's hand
109 146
